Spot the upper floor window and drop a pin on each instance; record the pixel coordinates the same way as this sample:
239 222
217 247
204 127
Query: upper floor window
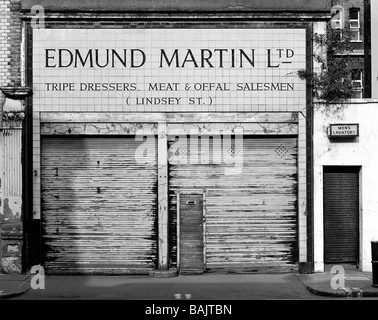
357 83
354 23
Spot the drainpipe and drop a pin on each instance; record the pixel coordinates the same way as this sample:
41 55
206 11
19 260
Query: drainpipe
367 50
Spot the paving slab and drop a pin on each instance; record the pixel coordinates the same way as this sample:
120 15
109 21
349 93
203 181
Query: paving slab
13 285
352 283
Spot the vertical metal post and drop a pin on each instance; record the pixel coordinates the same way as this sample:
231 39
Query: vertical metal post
163 259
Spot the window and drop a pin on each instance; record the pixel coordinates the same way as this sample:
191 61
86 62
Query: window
354 23
357 83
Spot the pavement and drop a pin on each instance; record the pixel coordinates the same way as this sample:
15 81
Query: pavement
12 285
352 284
292 286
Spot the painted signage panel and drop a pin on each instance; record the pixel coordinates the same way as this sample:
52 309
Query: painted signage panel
343 130
168 69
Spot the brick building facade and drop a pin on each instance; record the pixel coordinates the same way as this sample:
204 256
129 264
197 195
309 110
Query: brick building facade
354 16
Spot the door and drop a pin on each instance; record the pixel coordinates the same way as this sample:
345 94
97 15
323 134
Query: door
191 234
251 216
99 206
341 214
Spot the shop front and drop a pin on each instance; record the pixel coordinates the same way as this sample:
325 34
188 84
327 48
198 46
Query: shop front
181 145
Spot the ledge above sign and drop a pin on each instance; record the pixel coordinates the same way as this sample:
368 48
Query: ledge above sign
343 130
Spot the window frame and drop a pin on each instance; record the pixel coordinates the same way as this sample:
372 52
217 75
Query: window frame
355 29
358 89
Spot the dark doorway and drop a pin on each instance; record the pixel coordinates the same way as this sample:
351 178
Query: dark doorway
341 214
191 255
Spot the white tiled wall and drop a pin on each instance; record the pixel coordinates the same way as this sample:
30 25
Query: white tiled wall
302 188
151 41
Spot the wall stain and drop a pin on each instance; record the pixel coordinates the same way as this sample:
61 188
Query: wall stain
8 212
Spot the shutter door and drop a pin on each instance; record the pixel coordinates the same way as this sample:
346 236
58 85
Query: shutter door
251 218
341 214
98 206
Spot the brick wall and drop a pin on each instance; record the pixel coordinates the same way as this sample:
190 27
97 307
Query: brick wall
15 41
10 39
5 14
347 4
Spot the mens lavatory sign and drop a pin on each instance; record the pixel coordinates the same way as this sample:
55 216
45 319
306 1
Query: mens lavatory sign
168 69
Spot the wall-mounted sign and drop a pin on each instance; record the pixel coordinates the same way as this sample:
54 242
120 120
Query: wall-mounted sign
344 130
168 70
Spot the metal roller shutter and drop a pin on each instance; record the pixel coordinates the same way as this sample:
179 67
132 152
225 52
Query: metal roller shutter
98 206
341 214
251 218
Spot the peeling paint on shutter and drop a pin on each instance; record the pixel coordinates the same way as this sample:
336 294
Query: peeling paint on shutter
341 214
251 218
12 174
98 206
